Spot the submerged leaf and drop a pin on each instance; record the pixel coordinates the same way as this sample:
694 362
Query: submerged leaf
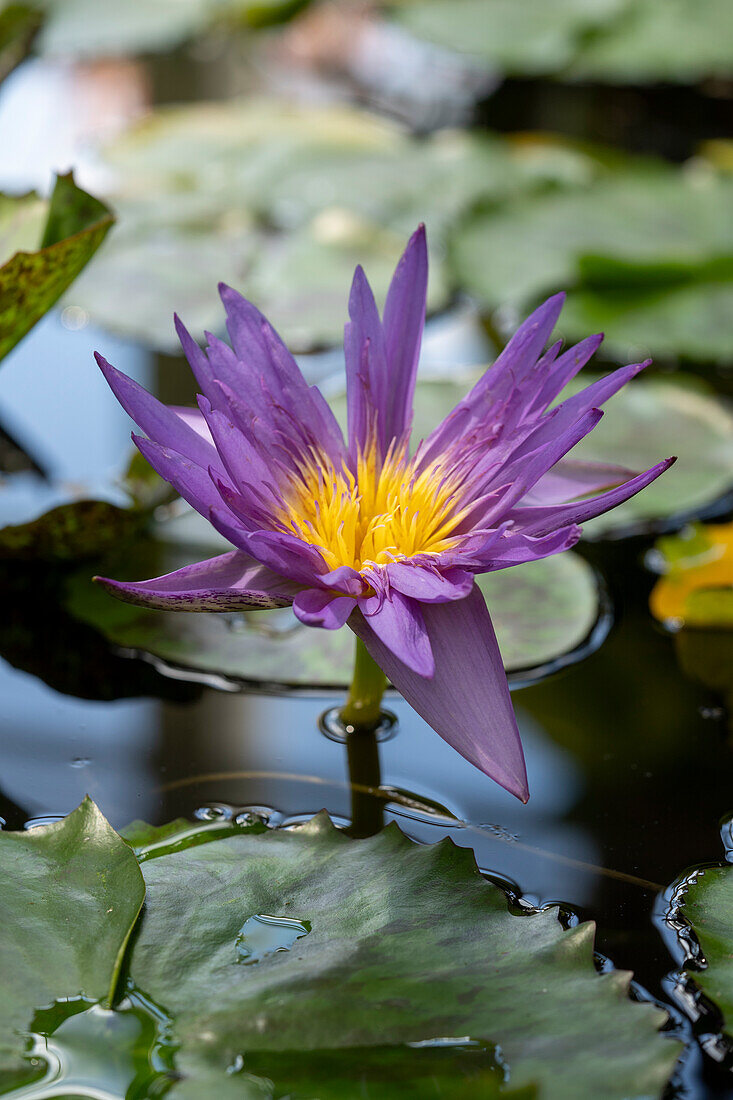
71 894
407 944
33 279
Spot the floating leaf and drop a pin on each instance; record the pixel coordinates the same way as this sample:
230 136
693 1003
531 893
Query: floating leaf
708 906
33 279
71 532
407 943
645 249
697 586
282 202
542 611
71 894
89 28
618 41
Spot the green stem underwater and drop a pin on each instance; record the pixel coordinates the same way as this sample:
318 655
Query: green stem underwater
364 704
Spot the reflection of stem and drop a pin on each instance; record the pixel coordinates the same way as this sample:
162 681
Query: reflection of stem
391 796
362 751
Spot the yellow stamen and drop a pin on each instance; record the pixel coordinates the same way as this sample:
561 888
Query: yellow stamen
387 512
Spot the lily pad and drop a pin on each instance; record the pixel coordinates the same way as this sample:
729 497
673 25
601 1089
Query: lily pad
92 28
708 906
71 894
407 944
51 257
542 611
19 23
616 41
72 532
282 202
643 248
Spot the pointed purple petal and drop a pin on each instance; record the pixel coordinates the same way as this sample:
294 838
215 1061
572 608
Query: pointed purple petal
158 422
398 624
366 367
190 480
540 521
319 607
230 582
571 479
467 701
195 419
404 320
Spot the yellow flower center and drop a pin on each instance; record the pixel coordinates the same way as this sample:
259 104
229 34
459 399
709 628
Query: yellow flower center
387 512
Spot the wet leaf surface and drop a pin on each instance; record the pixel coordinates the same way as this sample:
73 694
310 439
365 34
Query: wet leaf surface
357 980
44 264
72 532
708 906
71 894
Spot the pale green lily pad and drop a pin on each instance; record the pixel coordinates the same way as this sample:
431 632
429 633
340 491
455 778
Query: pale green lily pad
19 22
72 879
93 28
48 245
542 612
616 41
282 202
649 252
407 943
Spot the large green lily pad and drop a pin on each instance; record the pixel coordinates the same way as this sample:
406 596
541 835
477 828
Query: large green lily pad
71 894
48 246
282 202
406 944
618 41
645 249
542 612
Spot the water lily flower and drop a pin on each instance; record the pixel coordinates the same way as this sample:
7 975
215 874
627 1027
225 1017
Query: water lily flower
367 531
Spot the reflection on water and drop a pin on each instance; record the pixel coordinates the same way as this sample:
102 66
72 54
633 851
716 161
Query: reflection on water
263 935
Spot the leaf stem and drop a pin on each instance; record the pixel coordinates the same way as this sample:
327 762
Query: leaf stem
361 716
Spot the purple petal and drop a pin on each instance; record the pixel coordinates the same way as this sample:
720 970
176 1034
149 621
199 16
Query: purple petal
404 320
571 479
158 422
428 585
366 368
564 369
467 701
230 582
189 480
195 420
399 626
540 521
318 607
601 390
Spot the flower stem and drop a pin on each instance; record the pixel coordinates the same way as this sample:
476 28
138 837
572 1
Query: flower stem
361 716
363 706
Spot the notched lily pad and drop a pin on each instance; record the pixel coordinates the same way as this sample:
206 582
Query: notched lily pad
72 879
542 612
433 952
50 258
